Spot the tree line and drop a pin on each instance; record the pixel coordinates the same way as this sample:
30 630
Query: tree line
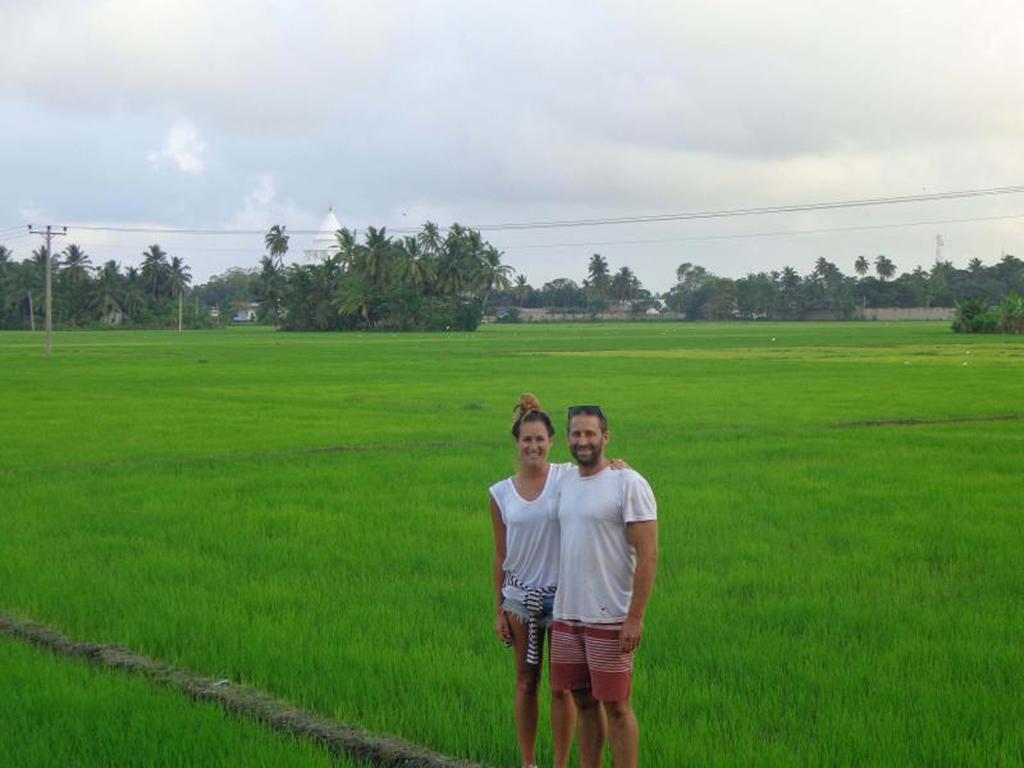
151 295
436 280
430 281
699 294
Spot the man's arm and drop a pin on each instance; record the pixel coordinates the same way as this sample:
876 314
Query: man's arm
643 536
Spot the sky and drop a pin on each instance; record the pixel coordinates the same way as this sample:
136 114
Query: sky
237 115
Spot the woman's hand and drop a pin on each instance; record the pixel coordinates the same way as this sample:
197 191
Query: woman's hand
620 464
501 626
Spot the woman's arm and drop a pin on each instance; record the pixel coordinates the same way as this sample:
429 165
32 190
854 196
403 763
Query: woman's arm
501 626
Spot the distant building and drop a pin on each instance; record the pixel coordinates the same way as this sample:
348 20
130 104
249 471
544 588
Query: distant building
245 312
325 244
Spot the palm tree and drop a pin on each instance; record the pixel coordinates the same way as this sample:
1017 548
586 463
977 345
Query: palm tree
179 277
789 284
134 300
459 260
155 270
491 274
884 267
598 276
76 272
412 266
348 250
522 288
107 299
76 260
975 265
450 279
322 291
861 266
825 269
430 239
355 299
270 284
276 241
624 285
378 252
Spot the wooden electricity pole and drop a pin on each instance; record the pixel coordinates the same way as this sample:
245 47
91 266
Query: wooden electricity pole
48 234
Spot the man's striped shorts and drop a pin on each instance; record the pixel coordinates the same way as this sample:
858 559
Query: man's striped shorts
589 656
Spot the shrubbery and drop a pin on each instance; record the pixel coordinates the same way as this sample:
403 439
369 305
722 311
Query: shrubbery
978 316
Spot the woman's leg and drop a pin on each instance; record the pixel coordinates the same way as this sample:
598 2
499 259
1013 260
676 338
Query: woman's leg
527 679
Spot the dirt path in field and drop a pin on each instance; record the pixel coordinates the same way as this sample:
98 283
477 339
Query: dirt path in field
358 744
922 422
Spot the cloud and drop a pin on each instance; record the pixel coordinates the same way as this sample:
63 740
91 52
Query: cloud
182 150
31 214
262 208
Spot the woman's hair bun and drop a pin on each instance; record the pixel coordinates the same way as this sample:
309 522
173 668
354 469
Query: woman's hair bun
527 403
528 409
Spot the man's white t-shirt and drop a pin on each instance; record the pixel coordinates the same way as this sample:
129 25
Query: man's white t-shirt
595 576
531 532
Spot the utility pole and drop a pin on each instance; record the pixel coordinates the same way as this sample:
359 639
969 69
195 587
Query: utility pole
939 242
48 234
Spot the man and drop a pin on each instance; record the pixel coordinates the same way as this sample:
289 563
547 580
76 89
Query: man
609 551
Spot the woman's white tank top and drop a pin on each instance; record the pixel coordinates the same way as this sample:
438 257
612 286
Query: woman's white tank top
531 533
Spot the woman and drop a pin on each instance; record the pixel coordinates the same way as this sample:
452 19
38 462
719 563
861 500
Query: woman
524 511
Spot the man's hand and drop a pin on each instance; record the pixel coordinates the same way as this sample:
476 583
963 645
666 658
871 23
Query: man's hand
501 626
629 636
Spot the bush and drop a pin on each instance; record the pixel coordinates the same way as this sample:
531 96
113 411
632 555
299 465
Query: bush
975 316
1011 314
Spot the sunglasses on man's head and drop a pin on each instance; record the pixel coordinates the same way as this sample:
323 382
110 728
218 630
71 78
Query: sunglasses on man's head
585 410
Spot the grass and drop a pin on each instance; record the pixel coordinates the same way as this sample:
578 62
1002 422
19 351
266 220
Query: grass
68 713
826 596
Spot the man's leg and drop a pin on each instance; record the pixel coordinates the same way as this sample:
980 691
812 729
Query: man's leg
563 725
611 682
623 733
592 727
569 674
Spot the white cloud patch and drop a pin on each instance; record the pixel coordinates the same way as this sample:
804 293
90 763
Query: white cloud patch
32 214
262 208
182 150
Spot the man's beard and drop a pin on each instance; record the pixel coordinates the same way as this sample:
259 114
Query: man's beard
591 460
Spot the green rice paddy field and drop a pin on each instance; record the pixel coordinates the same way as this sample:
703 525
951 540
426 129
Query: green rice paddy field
307 514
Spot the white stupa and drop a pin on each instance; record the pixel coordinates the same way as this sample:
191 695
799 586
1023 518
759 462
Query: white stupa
324 244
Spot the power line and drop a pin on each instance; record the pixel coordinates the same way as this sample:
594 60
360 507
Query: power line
645 241
642 219
776 233
818 206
